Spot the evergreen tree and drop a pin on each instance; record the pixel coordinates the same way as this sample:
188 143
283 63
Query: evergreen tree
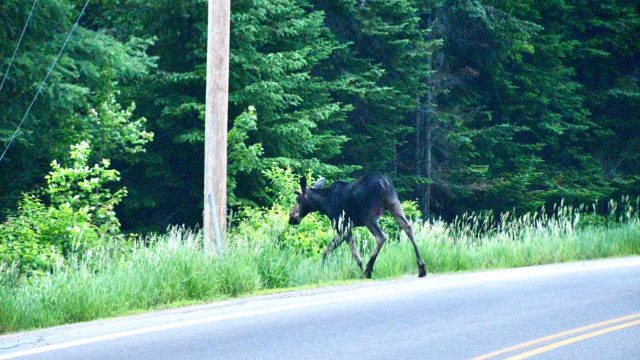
387 64
79 101
468 105
282 111
607 63
529 133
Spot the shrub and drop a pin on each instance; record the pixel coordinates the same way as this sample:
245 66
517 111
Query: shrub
83 188
308 238
21 240
78 216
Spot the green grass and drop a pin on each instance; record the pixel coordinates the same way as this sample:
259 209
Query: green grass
172 268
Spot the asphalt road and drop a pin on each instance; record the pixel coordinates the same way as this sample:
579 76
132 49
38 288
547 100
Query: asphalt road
586 310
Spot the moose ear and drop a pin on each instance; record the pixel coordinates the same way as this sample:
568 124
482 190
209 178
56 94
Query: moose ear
303 183
319 184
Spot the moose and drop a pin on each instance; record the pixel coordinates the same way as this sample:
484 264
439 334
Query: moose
352 204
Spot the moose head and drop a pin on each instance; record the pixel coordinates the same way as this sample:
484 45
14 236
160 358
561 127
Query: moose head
304 201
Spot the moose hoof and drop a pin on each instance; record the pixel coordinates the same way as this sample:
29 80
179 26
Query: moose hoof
422 272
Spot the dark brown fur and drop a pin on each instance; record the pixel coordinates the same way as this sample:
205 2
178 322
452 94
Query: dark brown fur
357 203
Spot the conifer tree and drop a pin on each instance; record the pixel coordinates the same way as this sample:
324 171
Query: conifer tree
282 112
79 101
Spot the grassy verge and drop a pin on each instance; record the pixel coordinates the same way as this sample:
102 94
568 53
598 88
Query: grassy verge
172 268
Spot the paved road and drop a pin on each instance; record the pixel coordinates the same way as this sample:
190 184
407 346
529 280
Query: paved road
587 310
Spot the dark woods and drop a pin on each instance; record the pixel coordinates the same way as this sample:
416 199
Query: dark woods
466 105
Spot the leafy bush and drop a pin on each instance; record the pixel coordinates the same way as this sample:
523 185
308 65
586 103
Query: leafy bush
82 188
282 185
78 216
114 130
243 158
259 224
308 238
19 238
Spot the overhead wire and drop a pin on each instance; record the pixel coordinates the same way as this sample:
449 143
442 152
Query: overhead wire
75 25
24 30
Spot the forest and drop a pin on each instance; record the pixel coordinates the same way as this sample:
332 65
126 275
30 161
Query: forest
468 105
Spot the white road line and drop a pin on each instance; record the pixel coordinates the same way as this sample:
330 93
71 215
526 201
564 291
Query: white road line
369 293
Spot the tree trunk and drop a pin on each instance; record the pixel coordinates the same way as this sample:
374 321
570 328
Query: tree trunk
419 156
428 170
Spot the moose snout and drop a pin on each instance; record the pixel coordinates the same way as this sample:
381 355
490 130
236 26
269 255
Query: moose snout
294 215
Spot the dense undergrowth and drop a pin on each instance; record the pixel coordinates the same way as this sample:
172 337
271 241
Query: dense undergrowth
63 257
266 253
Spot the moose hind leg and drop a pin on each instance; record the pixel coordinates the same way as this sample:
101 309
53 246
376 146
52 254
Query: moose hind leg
380 239
395 209
348 236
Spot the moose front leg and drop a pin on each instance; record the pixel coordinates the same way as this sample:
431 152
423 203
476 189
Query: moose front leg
343 231
330 246
380 239
355 252
347 236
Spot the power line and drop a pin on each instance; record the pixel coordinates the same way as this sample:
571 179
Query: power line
75 25
18 45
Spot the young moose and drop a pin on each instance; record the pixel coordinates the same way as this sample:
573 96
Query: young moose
358 203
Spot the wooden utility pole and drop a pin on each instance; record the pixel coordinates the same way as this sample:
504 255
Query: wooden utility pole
215 144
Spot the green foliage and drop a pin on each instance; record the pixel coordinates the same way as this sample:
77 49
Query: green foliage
388 65
79 215
25 241
468 105
112 131
81 187
243 159
509 74
283 183
78 101
309 238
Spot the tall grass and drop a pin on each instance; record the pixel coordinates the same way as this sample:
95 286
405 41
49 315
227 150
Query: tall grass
172 268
